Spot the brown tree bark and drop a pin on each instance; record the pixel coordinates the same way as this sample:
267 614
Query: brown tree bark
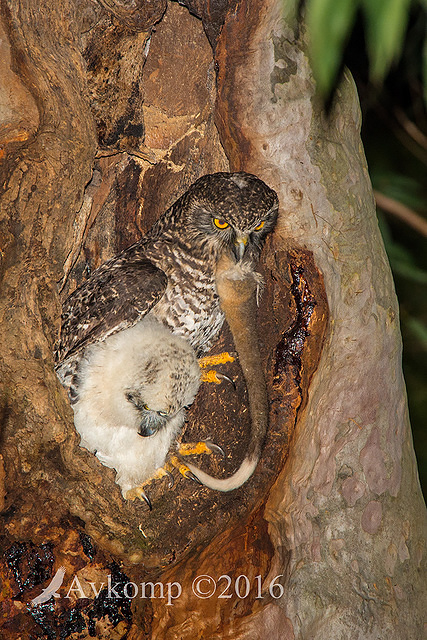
109 112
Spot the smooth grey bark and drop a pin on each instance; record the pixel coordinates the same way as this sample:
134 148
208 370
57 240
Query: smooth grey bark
348 506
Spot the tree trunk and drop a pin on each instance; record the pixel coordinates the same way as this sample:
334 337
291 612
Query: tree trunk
109 113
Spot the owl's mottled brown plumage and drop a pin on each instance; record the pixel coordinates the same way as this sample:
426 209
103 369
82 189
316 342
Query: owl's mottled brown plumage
170 273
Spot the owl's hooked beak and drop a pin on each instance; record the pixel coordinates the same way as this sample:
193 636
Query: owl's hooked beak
150 424
240 246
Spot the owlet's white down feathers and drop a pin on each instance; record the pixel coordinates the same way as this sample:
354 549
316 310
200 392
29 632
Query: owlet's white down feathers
134 384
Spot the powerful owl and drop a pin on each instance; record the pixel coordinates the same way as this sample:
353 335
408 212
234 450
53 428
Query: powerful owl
169 275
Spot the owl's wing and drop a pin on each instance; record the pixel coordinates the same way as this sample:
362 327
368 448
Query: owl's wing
115 297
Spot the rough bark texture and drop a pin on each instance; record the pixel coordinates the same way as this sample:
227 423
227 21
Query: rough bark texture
104 125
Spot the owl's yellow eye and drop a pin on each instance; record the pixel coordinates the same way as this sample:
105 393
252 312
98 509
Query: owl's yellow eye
260 226
220 224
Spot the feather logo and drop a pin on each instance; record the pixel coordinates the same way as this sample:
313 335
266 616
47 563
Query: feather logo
51 589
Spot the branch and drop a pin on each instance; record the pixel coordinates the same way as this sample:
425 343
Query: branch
413 219
411 128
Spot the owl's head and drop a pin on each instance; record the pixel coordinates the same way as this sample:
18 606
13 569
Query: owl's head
230 212
163 378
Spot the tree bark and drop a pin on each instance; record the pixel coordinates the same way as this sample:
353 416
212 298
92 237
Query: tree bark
112 112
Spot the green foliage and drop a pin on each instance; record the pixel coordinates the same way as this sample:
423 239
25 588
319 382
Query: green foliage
386 22
404 264
425 64
330 24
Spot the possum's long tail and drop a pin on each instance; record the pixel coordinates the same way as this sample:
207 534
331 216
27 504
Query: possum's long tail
238 478
237 287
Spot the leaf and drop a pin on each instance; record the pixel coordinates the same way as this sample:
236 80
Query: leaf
386 22
407 270
402 261
403 188
418 329
329 24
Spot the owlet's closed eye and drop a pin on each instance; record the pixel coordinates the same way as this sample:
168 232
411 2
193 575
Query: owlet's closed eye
134 398
151 420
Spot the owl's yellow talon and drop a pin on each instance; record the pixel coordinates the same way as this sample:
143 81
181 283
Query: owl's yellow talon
184 449
191 448
196 448
138 492
182 468
210 376
161 472
219 358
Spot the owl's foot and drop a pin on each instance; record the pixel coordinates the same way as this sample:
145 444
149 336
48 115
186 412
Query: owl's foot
182 468
191 449
212 375
195 448
139 492
174 462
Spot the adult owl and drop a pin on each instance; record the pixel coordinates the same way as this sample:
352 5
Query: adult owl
169 275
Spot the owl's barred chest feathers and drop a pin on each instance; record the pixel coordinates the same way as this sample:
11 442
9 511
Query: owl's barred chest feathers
170 274
190 305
